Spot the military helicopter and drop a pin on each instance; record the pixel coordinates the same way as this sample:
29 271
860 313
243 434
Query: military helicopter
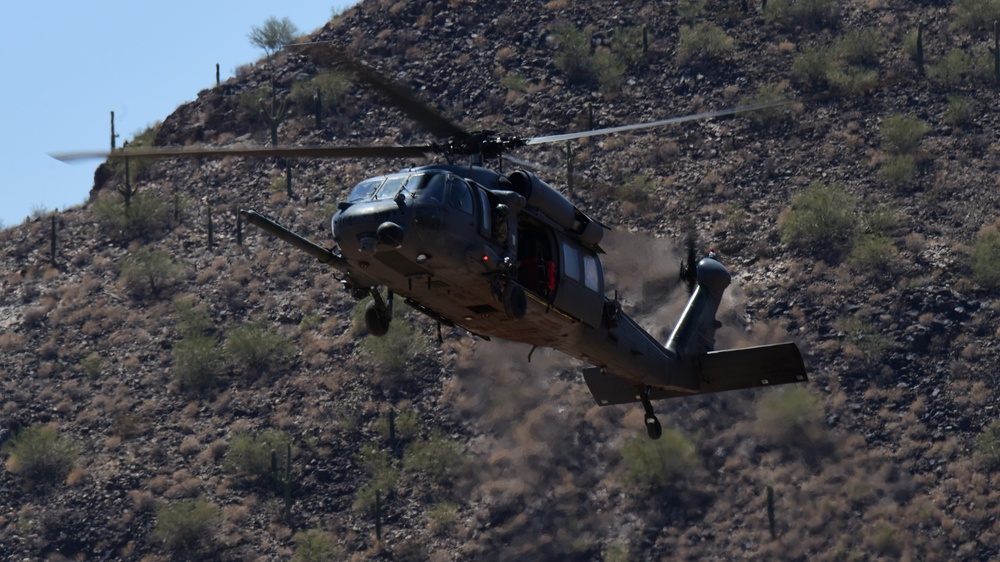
506 255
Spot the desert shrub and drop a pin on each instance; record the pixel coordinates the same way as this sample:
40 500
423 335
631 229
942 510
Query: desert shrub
316 545
441 515
331 84
193 320
629 47
660 463
197 362
187 526
92 364
39 453
959 111
887 541
249 457
514 81
880 220
901 134
143 218
407 425
691 10
573 53
986 258
273 35
872 251
255 350
812 67
609 71
788 416
953 69
988 444
149 272
702 43
805 13
384 475
768 116
851 79
822 220
438 457
400 344
971 15
859 47
898 171
864 337
636 190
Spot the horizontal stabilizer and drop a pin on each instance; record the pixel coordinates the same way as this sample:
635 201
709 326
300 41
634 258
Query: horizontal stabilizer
731 369
765 365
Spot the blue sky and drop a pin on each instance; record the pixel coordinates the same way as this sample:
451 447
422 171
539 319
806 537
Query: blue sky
66 65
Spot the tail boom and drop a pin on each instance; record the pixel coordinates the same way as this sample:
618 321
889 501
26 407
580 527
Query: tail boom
717 371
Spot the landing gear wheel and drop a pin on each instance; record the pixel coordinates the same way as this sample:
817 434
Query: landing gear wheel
376 320
515 301
653 428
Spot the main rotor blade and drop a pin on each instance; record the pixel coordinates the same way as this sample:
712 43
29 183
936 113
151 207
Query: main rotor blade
660 123
439 125
259 152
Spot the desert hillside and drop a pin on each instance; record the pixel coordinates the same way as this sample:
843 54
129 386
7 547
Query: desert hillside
175 384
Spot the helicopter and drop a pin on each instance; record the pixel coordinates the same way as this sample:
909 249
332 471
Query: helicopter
507 256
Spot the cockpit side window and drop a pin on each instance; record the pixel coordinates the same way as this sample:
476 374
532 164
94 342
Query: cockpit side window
364 190
459 195
431 189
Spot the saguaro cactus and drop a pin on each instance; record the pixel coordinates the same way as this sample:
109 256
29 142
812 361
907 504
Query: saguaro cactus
919 55
113 135
211 233
126 189
378 515
770 511
284 478
53 239
274 116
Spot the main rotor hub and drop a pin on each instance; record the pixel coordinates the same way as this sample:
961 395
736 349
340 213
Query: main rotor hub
487 144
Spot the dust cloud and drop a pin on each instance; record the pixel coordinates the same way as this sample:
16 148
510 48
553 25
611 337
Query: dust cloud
546 452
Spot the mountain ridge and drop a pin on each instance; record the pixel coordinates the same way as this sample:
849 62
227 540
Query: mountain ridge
877 458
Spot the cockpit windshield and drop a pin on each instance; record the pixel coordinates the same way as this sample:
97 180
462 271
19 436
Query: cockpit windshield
390 188
364 190
421 185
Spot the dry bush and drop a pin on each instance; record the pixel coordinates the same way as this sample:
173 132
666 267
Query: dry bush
39 454
791 417
187 527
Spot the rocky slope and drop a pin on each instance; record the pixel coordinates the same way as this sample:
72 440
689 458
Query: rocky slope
493 457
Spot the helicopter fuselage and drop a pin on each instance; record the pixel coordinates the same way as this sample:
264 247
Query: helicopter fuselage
447 238
507 256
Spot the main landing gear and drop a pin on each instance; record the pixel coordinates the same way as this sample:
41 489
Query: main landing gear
653 427
378 313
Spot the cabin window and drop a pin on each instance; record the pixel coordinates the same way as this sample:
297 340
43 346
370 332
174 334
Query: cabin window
571 261
459 195
591 272
484 213
364 190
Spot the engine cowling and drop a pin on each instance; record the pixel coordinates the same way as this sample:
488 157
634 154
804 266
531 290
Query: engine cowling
555 206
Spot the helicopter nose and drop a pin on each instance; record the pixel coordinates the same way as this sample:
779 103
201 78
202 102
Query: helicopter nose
390 234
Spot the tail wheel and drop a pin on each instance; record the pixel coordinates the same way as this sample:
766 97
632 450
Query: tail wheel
515 301
376 320
653 428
